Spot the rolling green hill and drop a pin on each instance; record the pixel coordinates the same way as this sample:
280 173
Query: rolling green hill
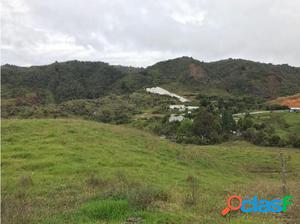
231 76
59 82
75 171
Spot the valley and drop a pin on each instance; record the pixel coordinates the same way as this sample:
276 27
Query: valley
88 142
150 112
173 91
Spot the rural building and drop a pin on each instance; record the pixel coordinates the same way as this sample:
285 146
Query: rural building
294 109
175 117
182 108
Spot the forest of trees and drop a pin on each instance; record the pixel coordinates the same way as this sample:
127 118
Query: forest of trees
115 94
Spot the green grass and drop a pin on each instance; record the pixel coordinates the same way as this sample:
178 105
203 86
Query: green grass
47 167
291 120
112 211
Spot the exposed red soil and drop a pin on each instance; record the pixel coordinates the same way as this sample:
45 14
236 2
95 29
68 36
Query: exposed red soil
290 101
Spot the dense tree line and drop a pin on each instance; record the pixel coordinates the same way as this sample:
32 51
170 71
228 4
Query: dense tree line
115 94
64 81
206 127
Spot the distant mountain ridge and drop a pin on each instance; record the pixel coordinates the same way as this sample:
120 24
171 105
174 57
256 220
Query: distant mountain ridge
79 80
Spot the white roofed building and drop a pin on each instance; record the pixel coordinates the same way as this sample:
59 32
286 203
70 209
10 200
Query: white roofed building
294 109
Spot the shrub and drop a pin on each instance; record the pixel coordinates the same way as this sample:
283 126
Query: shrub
25 181
245 123
276 107
274 140
185 128
261 138
249 134
192 195
143 197
294 140
105 209
94 181
283 142
195 140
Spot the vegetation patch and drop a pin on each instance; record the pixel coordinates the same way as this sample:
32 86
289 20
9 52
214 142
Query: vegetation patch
164 183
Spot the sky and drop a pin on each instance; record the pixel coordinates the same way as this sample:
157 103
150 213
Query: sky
143 32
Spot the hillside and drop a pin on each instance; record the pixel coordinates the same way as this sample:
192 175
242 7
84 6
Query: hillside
59 82
75 171
231 76
291 101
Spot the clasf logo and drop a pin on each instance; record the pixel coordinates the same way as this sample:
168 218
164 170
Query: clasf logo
255 205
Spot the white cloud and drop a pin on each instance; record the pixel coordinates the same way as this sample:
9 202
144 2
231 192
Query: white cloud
139 33
187 14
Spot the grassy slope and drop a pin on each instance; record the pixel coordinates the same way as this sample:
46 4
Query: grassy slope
292 120
60 155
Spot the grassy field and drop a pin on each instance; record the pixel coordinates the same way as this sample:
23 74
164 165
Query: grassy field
75 171
284 123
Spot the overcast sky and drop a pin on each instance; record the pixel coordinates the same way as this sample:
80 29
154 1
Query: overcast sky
142 32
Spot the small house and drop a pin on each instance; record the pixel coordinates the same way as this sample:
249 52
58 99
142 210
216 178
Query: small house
174 118
294 109
182 108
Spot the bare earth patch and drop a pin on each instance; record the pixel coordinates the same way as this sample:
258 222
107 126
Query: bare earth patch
290 101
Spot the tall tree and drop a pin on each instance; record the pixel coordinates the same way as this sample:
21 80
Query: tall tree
207 125
228 123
